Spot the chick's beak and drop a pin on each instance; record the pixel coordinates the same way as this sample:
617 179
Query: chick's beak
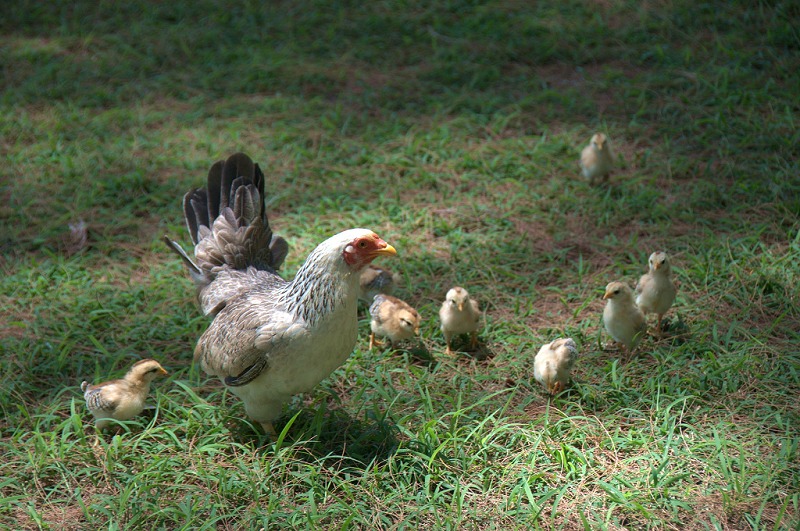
162 371
607 295
460 306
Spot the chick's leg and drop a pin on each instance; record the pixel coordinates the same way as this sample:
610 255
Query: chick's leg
658 324
447 351
473 340
371 340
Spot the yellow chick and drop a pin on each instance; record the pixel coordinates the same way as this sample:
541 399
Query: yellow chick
623 320
376 280
459 315
596 159
121 399
553 363
393 319
655 291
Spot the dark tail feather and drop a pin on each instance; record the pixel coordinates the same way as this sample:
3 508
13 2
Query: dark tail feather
193 268
214 188
195 211
237 165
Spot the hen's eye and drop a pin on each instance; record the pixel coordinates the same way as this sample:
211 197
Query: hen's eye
362 244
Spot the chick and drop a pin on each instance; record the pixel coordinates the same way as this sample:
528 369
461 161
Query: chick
655 291
121 399
375 280
623 320
553 363
393 319
459 315
596 159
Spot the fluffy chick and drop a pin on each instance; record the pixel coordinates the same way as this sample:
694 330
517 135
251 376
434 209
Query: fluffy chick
375 280
596 159
121 399
655 291
393 319
459 315
553 363
623 320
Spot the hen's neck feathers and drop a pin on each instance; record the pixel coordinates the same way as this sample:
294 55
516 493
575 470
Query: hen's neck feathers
322 284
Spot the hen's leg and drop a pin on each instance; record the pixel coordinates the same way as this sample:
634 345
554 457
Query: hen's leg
269 429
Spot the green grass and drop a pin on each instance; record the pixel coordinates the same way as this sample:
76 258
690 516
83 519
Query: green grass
453 131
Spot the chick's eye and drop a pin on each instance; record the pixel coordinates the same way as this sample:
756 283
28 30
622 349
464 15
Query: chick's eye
616 291
453 303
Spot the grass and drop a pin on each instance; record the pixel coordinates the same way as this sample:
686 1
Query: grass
453 130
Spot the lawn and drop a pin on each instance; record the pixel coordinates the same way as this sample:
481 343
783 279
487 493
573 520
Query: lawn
453 130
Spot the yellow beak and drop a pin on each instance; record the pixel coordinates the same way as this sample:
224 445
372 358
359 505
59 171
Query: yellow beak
387 250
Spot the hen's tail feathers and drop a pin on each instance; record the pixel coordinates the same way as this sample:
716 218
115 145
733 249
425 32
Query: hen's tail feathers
194 269
227 219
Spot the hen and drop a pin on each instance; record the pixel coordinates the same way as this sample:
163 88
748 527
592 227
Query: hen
121 399
655 291
270 338
393 319
553 363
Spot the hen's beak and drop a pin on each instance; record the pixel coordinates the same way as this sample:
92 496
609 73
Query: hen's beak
391 251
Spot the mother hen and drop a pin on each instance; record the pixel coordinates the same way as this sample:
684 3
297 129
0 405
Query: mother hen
270 338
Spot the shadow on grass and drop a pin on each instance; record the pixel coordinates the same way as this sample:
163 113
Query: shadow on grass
329 434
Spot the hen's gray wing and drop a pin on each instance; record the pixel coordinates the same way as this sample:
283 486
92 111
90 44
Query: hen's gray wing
246 333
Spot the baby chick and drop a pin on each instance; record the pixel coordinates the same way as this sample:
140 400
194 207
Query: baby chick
624 321
393 319
655 291
121 399
553 363
596 159
376 280
459 315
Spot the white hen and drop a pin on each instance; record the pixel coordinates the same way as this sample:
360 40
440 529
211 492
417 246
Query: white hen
270 338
